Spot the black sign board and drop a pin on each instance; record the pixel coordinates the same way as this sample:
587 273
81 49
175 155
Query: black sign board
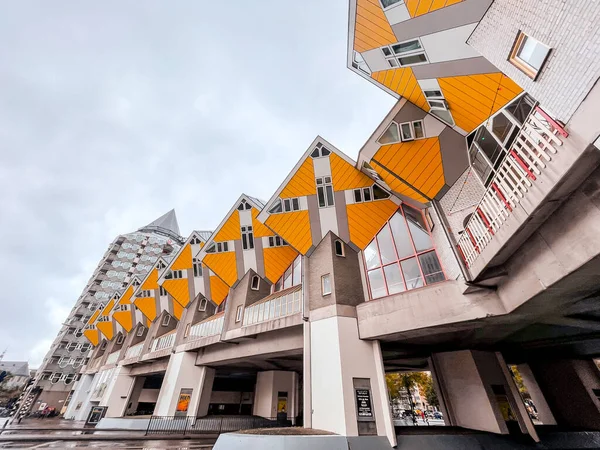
96 413
363 403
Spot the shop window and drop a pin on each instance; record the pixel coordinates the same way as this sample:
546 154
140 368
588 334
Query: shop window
402 255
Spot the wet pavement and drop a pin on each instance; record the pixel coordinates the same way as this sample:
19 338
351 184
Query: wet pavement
59 433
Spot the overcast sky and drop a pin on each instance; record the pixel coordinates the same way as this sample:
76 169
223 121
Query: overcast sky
114 112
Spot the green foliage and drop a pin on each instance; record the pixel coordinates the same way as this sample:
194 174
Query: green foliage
403 382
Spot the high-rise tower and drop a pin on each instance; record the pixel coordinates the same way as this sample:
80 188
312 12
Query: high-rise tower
128 255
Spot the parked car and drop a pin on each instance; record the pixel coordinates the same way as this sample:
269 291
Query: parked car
437 415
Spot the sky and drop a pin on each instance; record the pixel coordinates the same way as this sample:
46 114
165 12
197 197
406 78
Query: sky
114 112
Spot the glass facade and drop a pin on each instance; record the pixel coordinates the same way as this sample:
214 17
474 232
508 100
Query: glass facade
402 255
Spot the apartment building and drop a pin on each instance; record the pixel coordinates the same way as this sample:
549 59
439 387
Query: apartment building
128 257
462 241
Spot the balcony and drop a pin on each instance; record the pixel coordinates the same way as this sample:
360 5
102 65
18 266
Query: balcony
528 186
209 327
133 353
113 357
161 346
281 304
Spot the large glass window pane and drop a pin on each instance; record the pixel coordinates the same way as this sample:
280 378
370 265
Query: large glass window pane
386 246
533 52
287 278
488 145
480 164
277 302
393 277
406 47
372 255
501 126
443 115
401 236
390 135
418 229
413 59
377 284
431 268
321 196
283 306
329 189
412 275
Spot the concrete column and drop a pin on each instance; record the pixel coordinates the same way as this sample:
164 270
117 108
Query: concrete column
80 405
341 363
268 385
183 373
479 392
544 413
134 397
118 392
568 386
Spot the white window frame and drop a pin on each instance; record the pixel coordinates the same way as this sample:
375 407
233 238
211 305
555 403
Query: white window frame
166 320
140 331
247 237
162 291
322 184
394 58
320 149
177 274
186 333
257 279
289 206
120 339
239 312
327 276
197 266
342 248
202 304
359 63
385 8
523 65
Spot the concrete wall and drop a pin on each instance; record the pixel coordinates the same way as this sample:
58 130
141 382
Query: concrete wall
337 354
182 372
268 384
118 392
568 388
465 394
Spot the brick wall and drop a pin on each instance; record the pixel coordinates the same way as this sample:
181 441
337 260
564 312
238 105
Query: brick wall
461 200
569 27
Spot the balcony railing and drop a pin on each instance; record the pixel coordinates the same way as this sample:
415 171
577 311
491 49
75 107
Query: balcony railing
534 146
165 341
280 304
113 357
209 327
134 351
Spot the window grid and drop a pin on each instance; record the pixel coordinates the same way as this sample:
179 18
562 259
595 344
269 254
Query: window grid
325 192
247 238
399 260
282 306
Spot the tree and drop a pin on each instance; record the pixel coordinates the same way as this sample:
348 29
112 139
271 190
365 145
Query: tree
430 393
398 382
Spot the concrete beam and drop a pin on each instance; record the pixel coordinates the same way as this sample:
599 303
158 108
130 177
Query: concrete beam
571 322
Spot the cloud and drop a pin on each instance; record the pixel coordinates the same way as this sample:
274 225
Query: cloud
112 114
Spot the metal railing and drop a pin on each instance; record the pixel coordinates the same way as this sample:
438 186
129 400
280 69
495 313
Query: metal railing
209 327
533 148
211 424
134 350
280 304
165 341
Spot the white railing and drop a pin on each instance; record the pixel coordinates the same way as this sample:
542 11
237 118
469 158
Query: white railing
533 148
281 304
113 357
134 351
209 327
163 342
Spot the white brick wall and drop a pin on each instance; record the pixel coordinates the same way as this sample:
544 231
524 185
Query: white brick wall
570 27
461 200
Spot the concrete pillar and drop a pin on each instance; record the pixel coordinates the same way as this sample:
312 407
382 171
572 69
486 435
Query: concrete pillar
80 405
118 392
568 386
183 373
268 386
479 393
134 397
344 368
544 413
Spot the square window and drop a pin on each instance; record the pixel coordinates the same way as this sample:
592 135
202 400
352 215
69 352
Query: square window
418 129
357 196
407 132
386 51
326 284
433 93
528 55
